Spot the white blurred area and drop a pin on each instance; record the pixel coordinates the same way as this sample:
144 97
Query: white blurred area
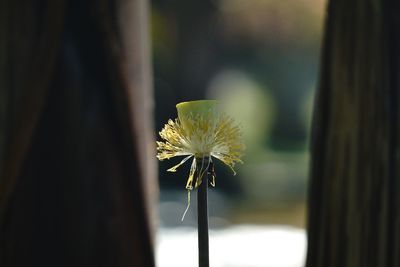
235 246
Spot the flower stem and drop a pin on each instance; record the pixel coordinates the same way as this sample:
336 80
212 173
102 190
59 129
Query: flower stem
202 221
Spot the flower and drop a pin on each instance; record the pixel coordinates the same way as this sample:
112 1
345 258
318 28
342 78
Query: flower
201 132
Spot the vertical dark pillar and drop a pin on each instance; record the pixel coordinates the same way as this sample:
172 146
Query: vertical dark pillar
76 177
354 215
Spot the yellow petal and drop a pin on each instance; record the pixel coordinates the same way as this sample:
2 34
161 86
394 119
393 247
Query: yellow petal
173 169
189 184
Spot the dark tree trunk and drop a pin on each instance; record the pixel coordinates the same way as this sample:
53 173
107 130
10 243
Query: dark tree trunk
75 121
354 199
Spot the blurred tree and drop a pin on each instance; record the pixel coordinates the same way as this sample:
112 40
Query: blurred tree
354 200
75 124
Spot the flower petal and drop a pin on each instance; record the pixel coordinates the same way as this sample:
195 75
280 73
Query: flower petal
173 169
189 184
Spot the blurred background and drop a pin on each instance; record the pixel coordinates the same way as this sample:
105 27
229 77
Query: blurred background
259 58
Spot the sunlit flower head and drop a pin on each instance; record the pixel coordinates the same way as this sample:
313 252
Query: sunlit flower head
201 132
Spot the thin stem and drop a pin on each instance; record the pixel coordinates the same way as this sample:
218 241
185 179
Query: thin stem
202 220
